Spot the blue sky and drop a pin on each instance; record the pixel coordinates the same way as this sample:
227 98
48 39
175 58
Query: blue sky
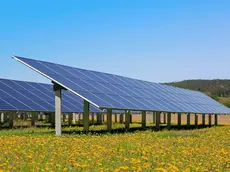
159 41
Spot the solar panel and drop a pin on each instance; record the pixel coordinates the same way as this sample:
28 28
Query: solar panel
108 91
30 96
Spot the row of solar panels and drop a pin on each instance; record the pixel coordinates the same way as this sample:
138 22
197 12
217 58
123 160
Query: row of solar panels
108 91
30 96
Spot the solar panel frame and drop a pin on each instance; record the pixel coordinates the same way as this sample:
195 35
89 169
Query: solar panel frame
117 84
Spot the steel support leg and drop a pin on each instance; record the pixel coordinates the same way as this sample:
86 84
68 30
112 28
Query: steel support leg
86 117
154 117
158 120
210 120
203 120
58 111
169 120
143 121
216 119
196 120
109 120
34 119
179 119
127 120
188 119
70 119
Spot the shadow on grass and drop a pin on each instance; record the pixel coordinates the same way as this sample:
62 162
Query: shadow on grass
136 129
67 130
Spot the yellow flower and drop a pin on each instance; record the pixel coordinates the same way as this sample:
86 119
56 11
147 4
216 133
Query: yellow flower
124 167
161 170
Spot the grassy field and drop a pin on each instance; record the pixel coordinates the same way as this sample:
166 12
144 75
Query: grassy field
37 149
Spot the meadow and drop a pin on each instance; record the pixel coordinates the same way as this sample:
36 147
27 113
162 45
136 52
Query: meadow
37 149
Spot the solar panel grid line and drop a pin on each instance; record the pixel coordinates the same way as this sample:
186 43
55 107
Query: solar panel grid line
17 99
91 84
75 71
55 81
26 100
14 95
53 95
45 99
9 104
42 92
119 95
78 81
28 91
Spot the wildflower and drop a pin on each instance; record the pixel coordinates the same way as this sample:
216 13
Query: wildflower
161 170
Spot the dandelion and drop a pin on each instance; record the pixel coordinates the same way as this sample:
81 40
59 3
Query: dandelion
124 167
161 170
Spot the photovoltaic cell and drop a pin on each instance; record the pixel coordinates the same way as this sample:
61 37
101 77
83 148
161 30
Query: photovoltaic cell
117 92
30 96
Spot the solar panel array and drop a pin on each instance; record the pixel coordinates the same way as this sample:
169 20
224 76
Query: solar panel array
117 92
29 96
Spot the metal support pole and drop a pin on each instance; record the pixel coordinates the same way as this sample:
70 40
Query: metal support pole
131 118
70 119
86 116
196 120
121 118
158 116
154 117
203 120
143 121
210 120
52 120
164 118
216 119
58 110
34 119
2 118
99 118
115 116
127 120
188 119
179 119
11 119
109 120
169 120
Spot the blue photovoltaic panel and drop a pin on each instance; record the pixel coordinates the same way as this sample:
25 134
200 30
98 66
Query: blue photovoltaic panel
29 96
117 92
